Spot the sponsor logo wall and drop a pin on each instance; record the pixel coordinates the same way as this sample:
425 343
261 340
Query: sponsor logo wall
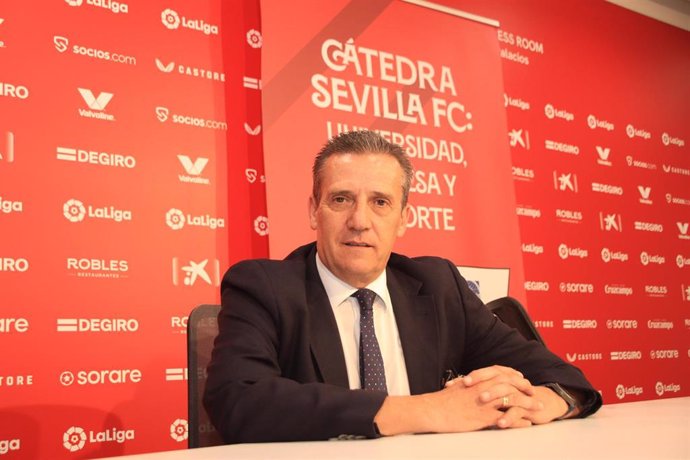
600 170
130 183
117 151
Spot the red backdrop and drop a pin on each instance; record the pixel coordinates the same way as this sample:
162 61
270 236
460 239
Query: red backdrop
132 174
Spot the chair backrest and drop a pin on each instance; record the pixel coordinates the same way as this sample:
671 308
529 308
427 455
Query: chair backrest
202 328
511 312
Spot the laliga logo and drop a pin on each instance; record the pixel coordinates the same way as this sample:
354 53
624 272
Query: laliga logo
74 2
630 131
591 121
549 111
606 255
175 219
170 19
620 391
254 38
74 439
563 251
261 225
179 430
74 210
659 388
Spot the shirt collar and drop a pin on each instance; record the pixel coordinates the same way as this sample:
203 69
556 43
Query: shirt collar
338 290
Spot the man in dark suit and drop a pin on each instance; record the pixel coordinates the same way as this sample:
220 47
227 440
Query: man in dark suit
289 362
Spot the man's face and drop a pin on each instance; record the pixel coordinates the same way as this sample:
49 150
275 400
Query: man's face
359 215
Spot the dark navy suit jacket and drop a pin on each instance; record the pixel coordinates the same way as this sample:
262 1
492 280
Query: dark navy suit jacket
278 373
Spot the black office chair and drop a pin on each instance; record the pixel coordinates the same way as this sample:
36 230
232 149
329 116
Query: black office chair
202 329
511 312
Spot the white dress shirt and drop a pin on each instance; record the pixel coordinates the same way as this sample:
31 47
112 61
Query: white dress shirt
346 311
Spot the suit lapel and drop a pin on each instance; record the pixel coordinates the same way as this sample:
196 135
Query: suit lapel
326 347
415 316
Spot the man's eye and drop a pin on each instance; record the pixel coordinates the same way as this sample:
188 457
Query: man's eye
339 199
381 203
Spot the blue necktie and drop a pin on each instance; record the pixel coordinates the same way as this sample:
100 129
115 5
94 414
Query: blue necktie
371 373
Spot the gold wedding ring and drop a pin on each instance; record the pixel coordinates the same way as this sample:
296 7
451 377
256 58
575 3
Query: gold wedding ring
504 401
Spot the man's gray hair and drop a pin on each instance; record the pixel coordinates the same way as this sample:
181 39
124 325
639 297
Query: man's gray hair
358 142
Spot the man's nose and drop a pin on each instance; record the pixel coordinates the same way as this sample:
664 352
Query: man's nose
359 218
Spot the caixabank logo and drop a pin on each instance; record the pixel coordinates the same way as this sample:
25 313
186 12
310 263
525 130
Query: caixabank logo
188 272
76 211
565 181
6 147
76 438
610 222
111 5
519 138
177 219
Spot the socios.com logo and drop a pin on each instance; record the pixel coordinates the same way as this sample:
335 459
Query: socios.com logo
74 210
162 114
170 18
74 439
179 430
175 219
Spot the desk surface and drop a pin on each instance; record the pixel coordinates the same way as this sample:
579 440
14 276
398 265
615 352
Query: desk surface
649 429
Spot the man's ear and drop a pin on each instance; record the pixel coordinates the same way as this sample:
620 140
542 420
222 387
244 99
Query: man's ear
312 212
404 219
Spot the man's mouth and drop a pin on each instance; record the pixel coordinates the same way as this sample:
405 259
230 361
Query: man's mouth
356 244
